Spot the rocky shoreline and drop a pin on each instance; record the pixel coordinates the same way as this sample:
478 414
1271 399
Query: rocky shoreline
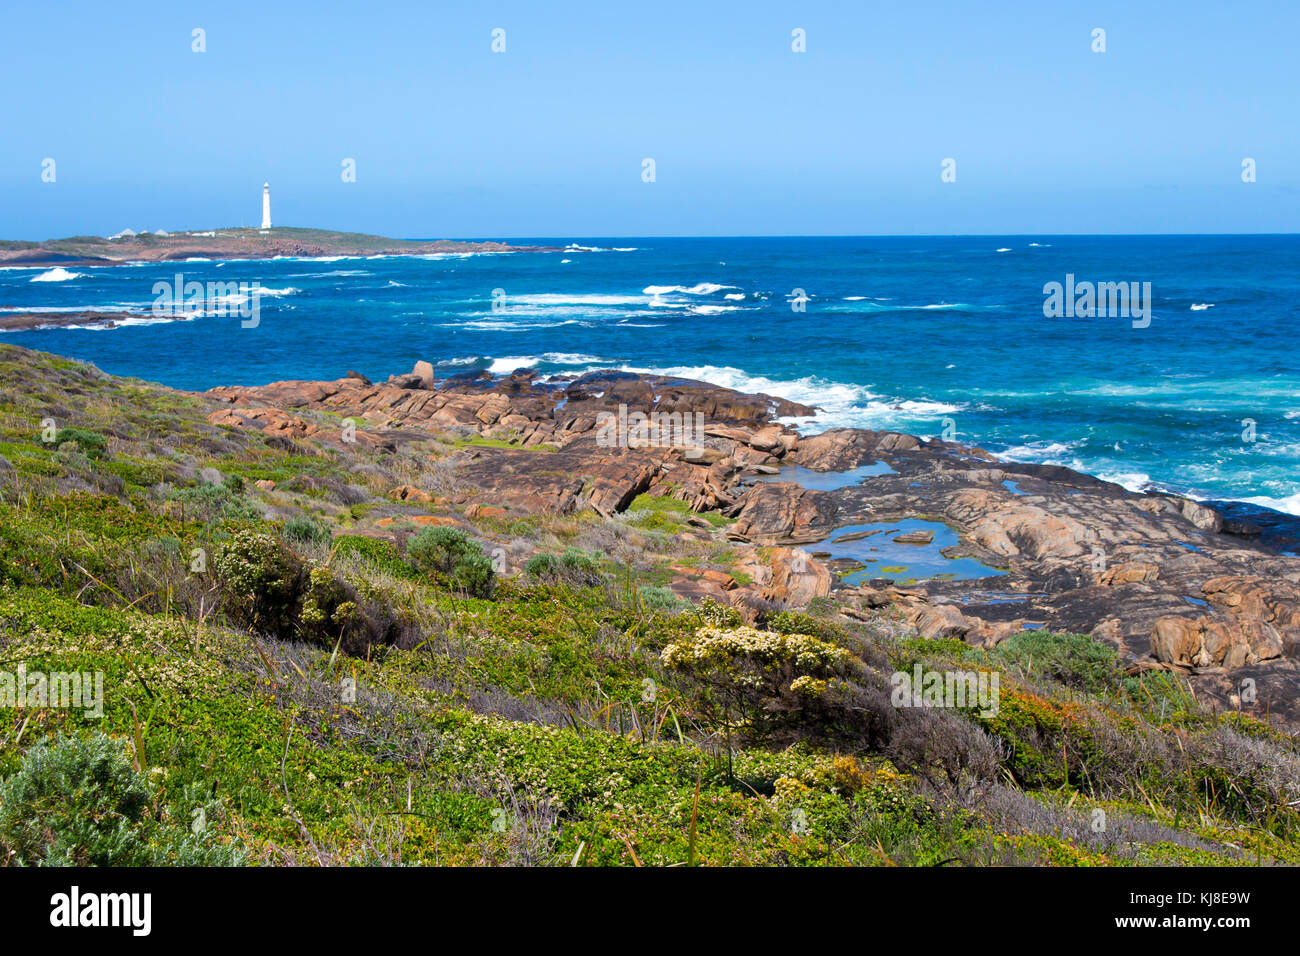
36 319
231 244
1172 583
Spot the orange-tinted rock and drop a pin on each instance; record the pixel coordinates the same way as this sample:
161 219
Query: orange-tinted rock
409 493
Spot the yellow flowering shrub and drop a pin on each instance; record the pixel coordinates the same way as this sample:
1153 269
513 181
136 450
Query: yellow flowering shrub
762 683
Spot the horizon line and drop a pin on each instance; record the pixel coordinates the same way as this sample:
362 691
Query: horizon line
501 237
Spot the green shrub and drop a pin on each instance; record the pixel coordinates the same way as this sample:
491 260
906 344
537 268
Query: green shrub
211 503
455 558
70 457
713 614
264 580
78 802
90 444
274 592
329 606
377 551
474 575
575 566
799 622
581 567
307 529
438 550
661 599
542 566
1075 660
575 559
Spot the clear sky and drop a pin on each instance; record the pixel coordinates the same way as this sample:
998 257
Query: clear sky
748 137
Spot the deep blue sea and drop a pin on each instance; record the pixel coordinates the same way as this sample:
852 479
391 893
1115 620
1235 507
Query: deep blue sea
897 333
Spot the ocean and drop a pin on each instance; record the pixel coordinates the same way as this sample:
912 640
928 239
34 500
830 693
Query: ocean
940 337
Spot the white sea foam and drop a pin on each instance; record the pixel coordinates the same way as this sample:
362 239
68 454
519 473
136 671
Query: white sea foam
508 364
1130 480
1004 249
1202 306
840 405
574 247
434 256
57 275
700 288
1289 505
1040 452
135 320
504 325
333 273
573 298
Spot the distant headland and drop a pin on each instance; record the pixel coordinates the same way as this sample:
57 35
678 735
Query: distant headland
238 243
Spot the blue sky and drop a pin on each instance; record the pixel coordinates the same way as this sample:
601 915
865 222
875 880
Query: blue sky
749 138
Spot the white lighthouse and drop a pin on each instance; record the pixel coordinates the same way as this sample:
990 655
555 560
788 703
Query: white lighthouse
266 205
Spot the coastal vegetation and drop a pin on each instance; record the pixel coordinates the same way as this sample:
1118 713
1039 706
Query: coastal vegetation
300 667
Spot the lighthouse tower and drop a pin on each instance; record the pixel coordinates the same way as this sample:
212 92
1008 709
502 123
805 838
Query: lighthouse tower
266 205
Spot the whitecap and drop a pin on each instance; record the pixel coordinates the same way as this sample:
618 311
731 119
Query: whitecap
700 288
1288 505
57 274
509 363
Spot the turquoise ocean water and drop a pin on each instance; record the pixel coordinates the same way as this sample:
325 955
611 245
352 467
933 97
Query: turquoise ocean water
916 334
